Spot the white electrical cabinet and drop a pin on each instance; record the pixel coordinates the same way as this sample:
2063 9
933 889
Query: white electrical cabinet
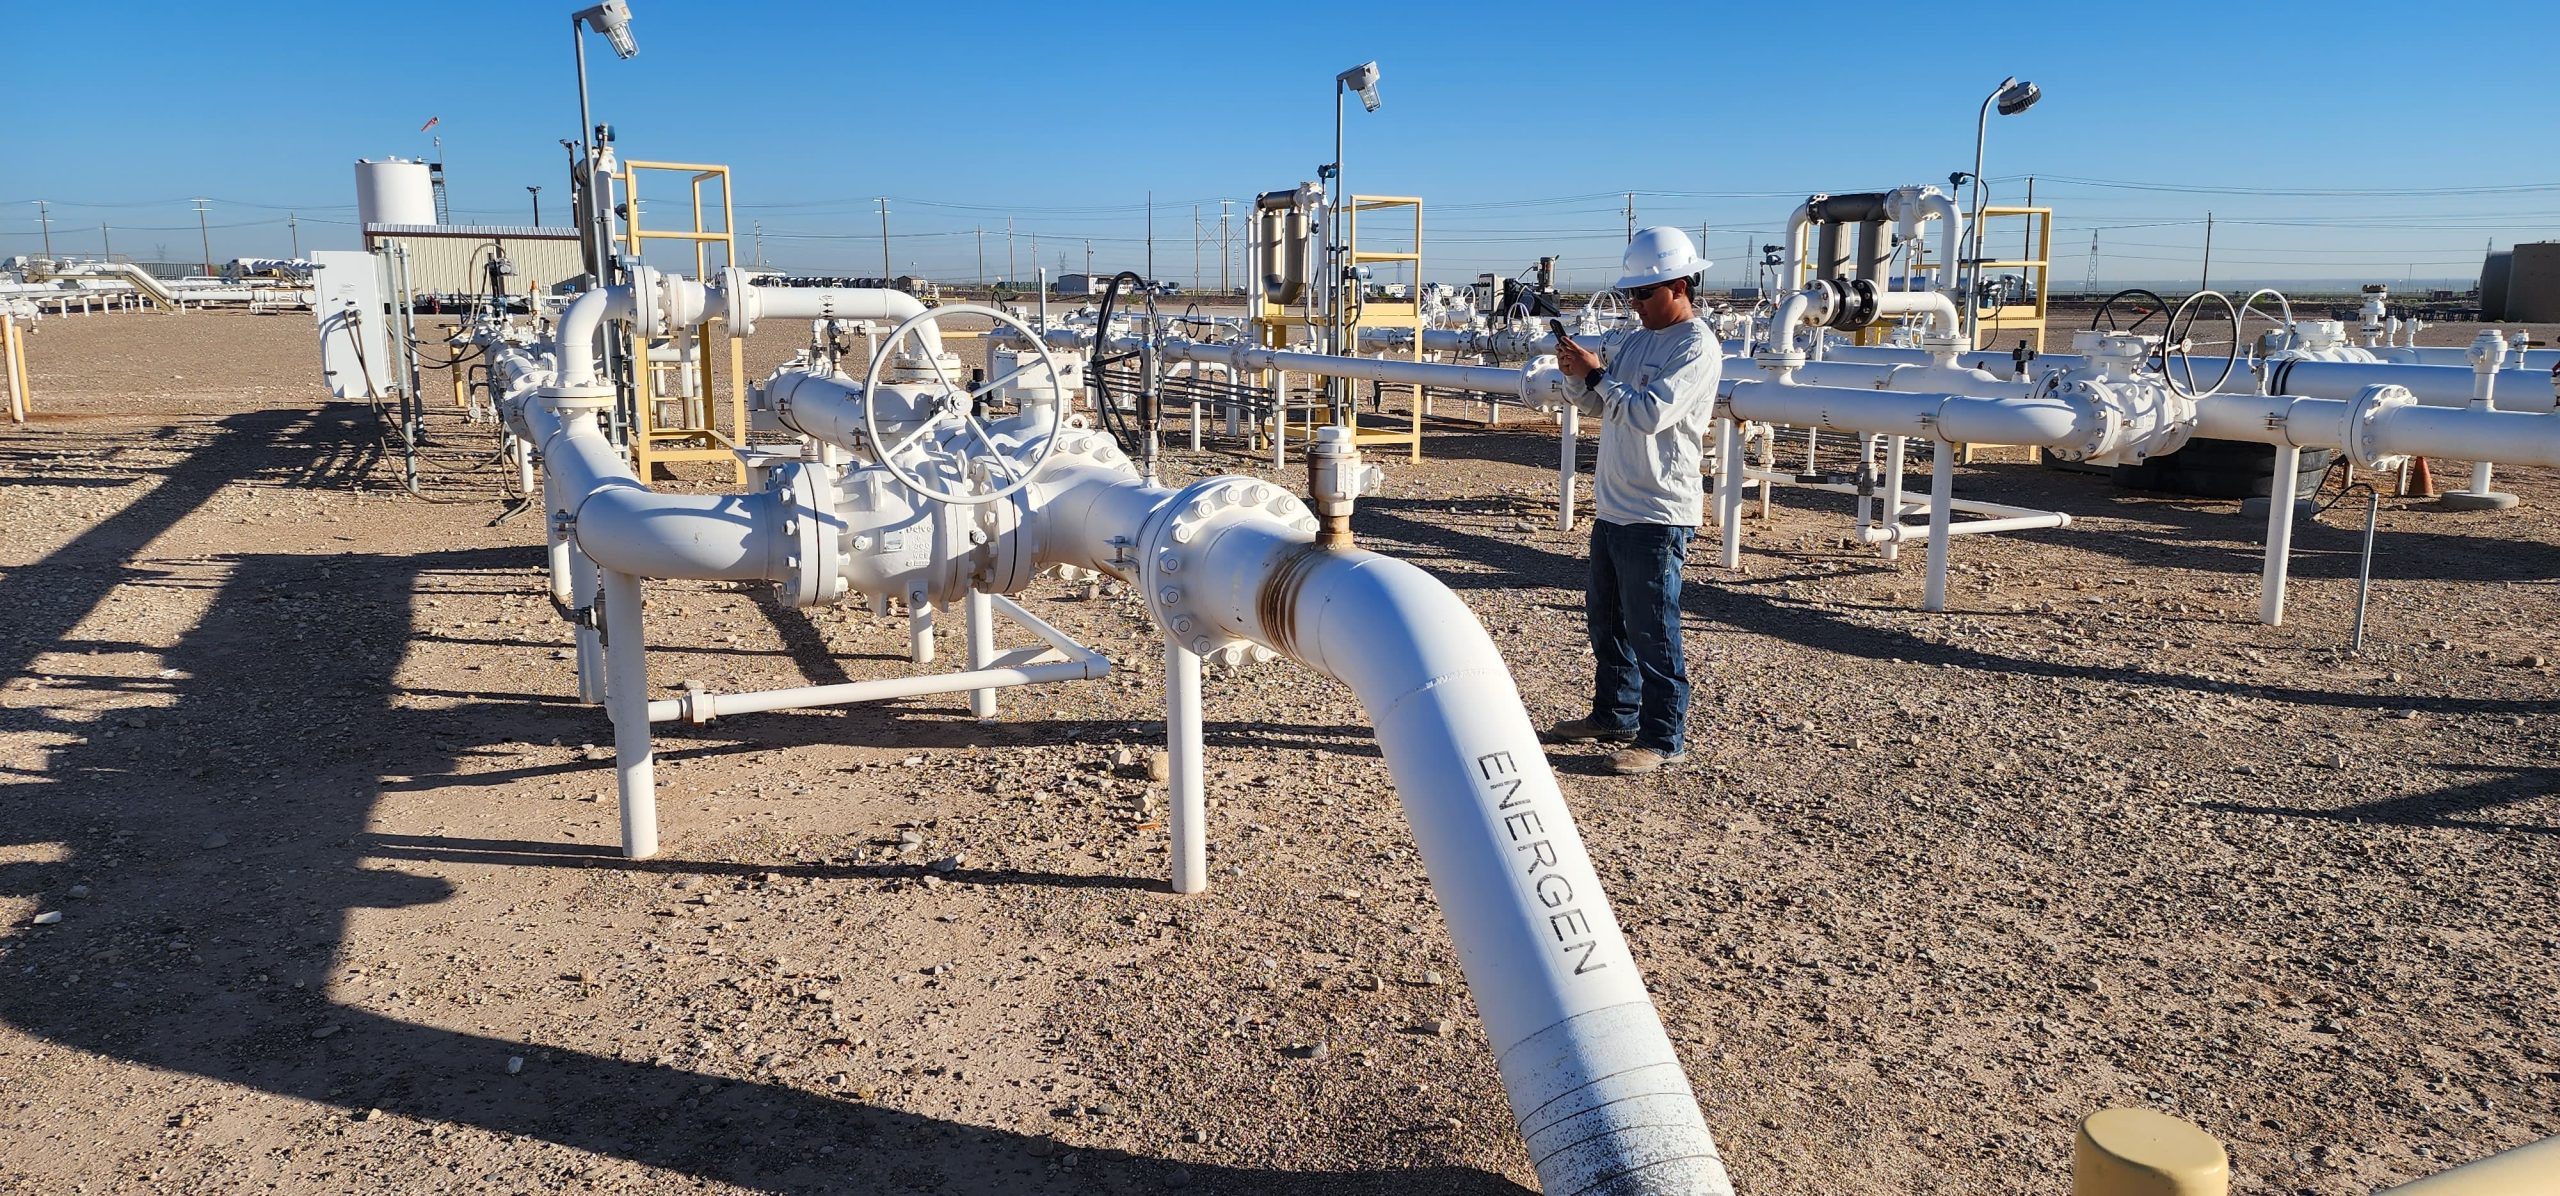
355 358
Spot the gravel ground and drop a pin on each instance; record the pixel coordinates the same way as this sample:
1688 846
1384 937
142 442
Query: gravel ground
298 764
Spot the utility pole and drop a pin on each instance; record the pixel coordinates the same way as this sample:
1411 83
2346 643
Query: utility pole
1195 248
1631 217
1012 272
204 236
1088 263
293 228
982 255
885 273
759 227
2089 285
1223 286
44 219
2205 283
110 243
1151 239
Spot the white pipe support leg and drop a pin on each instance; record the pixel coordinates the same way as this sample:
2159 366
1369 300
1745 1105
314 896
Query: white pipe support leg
2280 505
1186 793
981 618
1730 481
1570 418
919 627
1942 511
1895 461
635 769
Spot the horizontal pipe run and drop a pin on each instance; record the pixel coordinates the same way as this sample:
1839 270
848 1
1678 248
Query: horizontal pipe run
1914 501
2456 433
2048 421
1490 379
2523 390
1019 666
700 707
1904 533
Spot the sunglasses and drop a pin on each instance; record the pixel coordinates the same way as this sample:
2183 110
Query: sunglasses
1640 294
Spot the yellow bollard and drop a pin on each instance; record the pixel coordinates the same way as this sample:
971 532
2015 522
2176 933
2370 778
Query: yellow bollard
2138 1152
2532 1169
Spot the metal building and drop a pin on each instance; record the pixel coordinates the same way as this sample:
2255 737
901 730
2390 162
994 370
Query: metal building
452 259
2533 283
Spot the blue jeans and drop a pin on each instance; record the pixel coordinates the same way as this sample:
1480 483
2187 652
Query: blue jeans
1640 680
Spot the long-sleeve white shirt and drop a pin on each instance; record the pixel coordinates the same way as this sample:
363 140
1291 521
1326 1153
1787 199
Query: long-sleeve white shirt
1654 404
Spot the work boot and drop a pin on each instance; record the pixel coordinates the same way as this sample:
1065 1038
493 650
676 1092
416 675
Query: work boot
1583 730
1631 761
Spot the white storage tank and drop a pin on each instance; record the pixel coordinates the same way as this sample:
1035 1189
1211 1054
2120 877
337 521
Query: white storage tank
394 191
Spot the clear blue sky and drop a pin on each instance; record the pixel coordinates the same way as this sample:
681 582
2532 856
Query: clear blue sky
2334 141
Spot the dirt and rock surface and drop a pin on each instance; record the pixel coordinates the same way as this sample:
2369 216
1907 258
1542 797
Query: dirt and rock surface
308 884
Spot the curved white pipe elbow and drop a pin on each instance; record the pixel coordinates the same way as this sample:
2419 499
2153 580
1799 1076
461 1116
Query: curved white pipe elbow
632 529
627 527
1594 1083
579 324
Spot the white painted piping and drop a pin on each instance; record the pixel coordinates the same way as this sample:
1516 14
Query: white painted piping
1595 1085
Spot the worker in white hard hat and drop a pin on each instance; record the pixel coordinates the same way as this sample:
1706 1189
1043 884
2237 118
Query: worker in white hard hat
1653 394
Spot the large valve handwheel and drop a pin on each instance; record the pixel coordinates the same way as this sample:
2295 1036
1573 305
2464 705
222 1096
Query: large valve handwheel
2177 365
954 406
2143 315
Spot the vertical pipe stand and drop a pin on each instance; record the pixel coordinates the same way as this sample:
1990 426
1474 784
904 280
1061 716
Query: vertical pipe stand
627 700
1570 418
981 612
2279 535
1942 510
1186 796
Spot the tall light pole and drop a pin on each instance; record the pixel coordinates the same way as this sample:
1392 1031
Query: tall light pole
612 19
1364 80
2012 97
535 189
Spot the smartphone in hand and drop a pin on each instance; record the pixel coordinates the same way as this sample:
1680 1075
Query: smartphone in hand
1557 327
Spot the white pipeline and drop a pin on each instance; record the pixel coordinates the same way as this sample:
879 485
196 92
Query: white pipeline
1595 1085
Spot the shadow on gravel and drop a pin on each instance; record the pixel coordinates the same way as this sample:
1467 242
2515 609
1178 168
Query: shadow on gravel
2461 807
1751 605
224 840
579 855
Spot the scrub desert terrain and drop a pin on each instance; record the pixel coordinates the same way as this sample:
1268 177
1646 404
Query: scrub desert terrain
308 880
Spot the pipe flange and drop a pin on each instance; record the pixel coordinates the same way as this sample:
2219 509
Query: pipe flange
1858 305
739 304
1170 562
811 534
571 399
2364 415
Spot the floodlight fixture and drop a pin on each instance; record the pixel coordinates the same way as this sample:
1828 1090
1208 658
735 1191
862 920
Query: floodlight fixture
612 19
1363 79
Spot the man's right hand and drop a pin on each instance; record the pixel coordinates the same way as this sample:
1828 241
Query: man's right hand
1573 359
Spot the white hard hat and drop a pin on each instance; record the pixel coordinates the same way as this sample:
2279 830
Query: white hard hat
1660 254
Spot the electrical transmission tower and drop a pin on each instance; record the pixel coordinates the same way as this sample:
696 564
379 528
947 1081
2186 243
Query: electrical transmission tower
2089 285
